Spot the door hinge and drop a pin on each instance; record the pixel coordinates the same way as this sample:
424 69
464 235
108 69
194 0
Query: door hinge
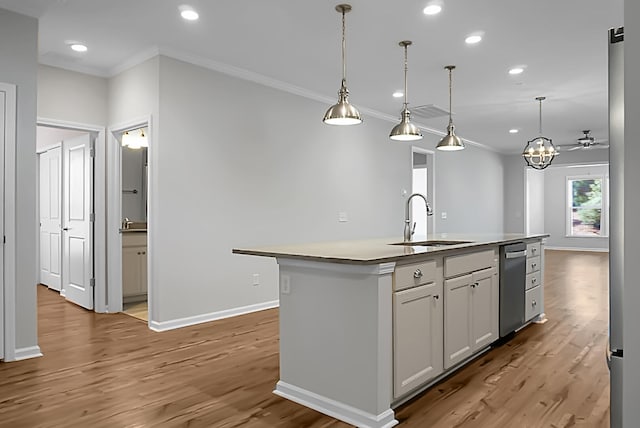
92 217
92 282
4 239
92 148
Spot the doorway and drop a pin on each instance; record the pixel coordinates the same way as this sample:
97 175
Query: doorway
66 212
422 181
129 192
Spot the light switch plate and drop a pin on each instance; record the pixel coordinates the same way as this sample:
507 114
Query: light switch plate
285 284
343 217
443 215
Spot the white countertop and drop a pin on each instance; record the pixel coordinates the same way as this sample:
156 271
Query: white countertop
372 251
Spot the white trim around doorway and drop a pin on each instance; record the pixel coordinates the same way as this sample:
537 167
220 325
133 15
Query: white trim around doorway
100 208
114 214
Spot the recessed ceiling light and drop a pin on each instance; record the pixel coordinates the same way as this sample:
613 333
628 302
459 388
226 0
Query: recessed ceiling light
473 39
78 47
188 13
398 94
432 9
513 131
516 70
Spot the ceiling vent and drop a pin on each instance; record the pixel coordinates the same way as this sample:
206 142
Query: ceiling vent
428 111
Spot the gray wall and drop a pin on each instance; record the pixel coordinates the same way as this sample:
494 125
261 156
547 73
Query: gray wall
134 93
555 190
514 193
241 164
71 96
19 50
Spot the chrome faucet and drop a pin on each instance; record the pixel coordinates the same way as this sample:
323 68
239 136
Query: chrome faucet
408 230
126 223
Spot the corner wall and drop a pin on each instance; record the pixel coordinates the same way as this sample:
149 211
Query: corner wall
19 50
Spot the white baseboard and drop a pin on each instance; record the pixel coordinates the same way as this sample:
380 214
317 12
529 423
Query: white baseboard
213 316
595 250
335 409
26 353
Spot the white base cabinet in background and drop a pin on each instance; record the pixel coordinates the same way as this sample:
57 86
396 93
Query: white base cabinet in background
134 267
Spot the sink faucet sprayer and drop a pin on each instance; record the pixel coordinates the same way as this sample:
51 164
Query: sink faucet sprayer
408 230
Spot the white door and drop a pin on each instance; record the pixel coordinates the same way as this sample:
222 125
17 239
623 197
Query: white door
77 231
50 217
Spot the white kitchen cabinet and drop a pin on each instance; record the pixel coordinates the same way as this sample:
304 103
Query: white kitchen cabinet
484 308
417 336
134 267
470 306
457 320
533 303
534 293
417 324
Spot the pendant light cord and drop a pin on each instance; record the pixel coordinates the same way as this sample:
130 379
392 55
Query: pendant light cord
450 119
540 122
405 75
344 48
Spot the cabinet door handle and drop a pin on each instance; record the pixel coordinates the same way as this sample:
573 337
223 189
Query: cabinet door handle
436 297
474 285
417 274
534 303
533 280
533 265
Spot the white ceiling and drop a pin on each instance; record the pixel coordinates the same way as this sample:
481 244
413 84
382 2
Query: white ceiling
563 43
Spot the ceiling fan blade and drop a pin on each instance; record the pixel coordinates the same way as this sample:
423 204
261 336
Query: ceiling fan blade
575 148
599 146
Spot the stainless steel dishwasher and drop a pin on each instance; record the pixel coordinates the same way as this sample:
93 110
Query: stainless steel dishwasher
513 273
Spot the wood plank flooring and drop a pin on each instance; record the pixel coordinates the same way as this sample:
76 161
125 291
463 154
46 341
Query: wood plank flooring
112 371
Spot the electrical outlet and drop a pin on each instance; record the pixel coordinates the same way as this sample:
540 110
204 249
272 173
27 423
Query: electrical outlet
285 284
443 215
256 279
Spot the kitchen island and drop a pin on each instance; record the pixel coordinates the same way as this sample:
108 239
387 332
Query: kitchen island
366 325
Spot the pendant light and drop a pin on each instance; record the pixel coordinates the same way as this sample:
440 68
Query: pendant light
405 130
343 113
451 141
539 152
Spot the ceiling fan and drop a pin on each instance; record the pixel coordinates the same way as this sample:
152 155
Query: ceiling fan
584 142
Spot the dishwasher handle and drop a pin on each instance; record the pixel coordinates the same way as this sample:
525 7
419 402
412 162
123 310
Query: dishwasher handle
515 254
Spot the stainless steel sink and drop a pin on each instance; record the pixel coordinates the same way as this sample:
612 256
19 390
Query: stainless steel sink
432 243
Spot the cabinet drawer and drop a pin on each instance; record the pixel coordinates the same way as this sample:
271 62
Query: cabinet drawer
533 264
533 249
134 239
533 280
465 263
533 303
415 274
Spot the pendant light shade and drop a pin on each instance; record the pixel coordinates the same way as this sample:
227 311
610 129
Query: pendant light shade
539 152
343 113
405 130
450 142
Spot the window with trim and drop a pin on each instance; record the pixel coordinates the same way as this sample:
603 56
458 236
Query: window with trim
587 206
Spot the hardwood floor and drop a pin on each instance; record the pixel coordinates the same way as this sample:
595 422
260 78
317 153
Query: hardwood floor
139 310
112 371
